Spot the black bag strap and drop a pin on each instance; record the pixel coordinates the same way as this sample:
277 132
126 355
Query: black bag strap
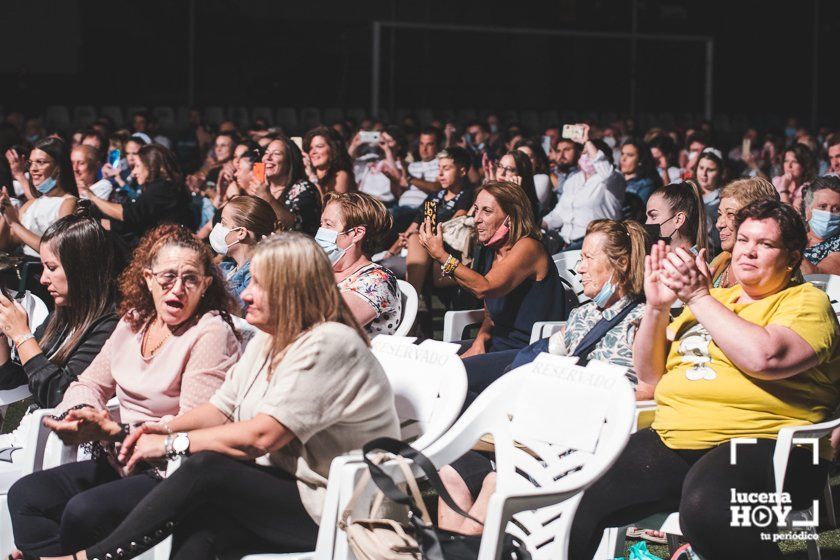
599 331
386 484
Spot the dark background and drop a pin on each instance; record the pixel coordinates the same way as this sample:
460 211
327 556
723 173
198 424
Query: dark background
317 53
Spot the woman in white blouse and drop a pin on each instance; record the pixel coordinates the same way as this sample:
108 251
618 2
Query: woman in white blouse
596 192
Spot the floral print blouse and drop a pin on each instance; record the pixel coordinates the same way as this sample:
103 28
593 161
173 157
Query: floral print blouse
377 286
616 347
304 201
818 252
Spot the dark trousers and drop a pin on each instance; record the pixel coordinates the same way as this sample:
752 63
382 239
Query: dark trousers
484 369
216 504
65 509
650 478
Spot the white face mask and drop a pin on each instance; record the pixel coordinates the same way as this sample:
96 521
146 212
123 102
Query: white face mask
326 238
218 238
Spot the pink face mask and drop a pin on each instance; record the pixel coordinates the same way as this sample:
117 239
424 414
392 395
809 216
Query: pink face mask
500 235
586 164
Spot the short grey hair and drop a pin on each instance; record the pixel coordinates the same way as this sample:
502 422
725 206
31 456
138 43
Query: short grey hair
830 182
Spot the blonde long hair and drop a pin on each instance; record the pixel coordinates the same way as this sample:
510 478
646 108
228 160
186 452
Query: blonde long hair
298 278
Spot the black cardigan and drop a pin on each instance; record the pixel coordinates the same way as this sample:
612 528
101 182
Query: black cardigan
160 202
48 381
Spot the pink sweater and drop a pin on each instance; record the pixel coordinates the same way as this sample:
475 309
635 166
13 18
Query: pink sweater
184 372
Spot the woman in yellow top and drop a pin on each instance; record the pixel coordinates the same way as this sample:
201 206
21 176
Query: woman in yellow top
740 362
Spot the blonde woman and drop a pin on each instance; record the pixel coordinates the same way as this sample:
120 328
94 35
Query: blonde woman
733 197
306 390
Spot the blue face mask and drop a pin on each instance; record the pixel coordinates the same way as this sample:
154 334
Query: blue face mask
824 224
607 291
47 186
326 238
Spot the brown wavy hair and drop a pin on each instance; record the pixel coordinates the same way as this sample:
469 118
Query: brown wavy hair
136 304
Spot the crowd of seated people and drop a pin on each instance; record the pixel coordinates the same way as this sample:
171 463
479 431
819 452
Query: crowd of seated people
152 250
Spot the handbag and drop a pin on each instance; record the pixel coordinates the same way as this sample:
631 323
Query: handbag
432 542
458 234
378 538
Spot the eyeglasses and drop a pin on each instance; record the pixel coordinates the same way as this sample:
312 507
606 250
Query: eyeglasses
38 163
511 170
166 280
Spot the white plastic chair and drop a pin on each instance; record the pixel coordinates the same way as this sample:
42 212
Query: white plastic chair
535 499
430 384
454 322
830 284
566 263
44 450
37 312
408 295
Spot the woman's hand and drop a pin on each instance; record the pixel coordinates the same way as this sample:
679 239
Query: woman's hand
15 163
9 211
657 294
194 183
129 442
307 166
476 349
109 171
489 168
148 447
13 318
260 190
432 241
83 425
687 275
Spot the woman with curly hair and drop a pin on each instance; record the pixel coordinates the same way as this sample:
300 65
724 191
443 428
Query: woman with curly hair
168 354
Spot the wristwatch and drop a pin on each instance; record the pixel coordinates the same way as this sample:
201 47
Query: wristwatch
177 445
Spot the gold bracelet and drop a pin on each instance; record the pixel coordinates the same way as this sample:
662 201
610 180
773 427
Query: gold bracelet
22 338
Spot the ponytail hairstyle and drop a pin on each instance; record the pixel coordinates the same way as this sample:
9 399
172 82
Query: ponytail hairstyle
626 244
254 214
685 197
90 294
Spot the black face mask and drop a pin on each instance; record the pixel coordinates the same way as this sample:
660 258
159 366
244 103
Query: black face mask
654 231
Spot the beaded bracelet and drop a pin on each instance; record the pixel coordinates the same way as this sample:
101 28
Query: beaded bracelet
450 265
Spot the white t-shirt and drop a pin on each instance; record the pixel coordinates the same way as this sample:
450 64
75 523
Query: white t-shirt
542 184
102 188
374 182
425 170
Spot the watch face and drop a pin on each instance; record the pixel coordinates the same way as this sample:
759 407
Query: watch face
181 443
